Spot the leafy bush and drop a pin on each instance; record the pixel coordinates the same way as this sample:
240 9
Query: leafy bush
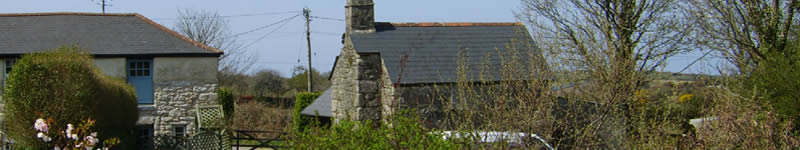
225 98
404 133
775 82
743 123
303 100
259 116
64 84
166 141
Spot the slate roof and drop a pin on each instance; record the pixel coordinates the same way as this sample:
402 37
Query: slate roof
419 53
321 105
100 34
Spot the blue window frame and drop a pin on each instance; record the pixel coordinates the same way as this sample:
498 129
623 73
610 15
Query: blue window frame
140 75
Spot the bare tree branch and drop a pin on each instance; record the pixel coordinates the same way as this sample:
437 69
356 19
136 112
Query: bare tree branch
212 29
745 32
615 40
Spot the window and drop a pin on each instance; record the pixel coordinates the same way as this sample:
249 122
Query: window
9 64
179 130
144 140
139 68
140 75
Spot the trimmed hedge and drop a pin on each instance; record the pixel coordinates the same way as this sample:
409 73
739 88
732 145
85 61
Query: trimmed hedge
405 132
65 85
225 98
304 99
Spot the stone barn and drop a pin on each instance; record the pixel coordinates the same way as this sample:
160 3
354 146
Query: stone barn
386 66
171 73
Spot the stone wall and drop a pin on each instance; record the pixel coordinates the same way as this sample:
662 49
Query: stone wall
389 100
359 81
175 102
344 83
362 90
427 100
369 102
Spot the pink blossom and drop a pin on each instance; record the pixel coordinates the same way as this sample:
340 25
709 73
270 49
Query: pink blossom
91 139
43 137
40 125
69 133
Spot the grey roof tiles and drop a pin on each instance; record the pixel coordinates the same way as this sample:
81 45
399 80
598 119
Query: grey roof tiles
419 53
100 34
321 106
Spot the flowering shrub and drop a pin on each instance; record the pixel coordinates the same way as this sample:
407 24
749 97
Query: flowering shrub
685 97
73 138
65 84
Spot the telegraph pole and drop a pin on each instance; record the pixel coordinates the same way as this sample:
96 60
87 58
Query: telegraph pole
103 4
307 14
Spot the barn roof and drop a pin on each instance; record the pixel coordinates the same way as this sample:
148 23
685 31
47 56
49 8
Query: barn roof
320 107
420 53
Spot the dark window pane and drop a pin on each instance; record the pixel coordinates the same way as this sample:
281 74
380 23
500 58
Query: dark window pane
146 72
132 72
10 64
139 64
146 65
132 65
139 73
179 131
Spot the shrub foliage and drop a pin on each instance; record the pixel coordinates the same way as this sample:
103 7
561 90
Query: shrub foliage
404 132
225 98
64 84
303 100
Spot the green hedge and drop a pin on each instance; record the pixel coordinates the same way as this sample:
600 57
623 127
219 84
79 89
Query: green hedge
226 99
304 99
65 85
405 132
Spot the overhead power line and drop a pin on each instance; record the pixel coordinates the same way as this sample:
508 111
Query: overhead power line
326 18
328 33
263 14
266 35
241 15
266 26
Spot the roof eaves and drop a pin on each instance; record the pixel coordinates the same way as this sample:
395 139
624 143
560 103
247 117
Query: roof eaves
65 14
134 55
178 35
447 24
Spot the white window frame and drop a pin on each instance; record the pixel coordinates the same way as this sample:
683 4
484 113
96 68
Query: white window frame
176 131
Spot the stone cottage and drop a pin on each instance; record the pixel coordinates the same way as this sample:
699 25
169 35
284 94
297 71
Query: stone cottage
171 73
384 66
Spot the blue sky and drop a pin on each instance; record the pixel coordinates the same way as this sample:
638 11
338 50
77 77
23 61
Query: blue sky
285 46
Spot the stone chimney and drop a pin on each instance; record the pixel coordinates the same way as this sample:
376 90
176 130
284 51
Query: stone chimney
360 16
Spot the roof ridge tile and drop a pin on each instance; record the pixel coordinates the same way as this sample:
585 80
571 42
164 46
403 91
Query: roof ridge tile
447 24
64 14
